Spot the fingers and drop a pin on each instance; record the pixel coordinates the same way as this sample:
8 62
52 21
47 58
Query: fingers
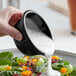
14 15
10 16
2 34
14 19
13 32
11 10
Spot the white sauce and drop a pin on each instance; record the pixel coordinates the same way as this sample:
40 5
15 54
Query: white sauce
50 71
42 43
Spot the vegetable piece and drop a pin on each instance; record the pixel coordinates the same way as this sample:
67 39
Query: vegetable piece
16 68
29 72
24 67
21 60
63 70
55 66
9 73
33 74
63 75
34 60
74 72
6 56
14 61
67 74
55 57
69 68
41 68
66 62
26 57
9 67
5 62
26 73
3 67
55 61
40 62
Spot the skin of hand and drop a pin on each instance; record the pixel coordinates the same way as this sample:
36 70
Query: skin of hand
8 18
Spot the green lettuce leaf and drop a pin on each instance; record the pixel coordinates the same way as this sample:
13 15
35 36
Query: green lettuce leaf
6 56
5 62
74 72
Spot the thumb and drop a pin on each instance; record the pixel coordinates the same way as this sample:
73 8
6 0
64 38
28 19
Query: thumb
13 33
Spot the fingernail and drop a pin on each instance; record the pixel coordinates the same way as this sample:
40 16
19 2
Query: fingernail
18 37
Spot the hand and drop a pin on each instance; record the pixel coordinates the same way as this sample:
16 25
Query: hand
8 18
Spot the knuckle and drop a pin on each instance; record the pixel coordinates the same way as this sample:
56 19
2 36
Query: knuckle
10 10
9 7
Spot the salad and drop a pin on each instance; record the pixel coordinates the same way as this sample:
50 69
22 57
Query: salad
64 67
32 65
25 66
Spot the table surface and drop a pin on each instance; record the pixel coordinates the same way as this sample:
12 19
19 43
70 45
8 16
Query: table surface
57 22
